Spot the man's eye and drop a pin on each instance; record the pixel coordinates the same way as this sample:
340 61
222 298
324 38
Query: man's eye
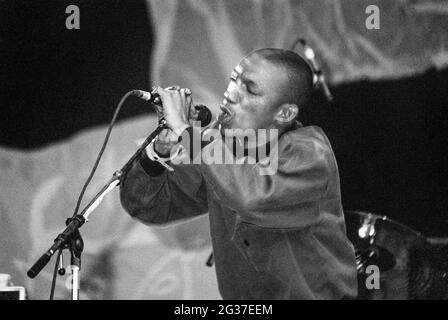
250 90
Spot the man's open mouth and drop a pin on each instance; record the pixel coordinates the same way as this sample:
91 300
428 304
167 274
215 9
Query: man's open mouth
225 115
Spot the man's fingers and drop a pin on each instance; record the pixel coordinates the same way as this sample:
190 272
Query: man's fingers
165 133
167 138
176 103
178 88
173 93
189 102
173 88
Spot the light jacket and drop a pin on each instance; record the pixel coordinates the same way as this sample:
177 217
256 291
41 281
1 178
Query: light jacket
279 236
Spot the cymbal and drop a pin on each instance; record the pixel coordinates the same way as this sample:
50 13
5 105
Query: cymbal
407 263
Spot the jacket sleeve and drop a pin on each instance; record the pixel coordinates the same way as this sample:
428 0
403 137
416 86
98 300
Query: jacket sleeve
154 195
287 198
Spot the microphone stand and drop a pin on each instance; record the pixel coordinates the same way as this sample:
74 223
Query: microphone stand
75 244
71 236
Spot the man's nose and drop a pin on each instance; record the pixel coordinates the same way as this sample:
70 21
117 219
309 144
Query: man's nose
232 93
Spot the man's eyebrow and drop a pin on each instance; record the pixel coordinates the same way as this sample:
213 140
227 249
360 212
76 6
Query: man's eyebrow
236 74
248 81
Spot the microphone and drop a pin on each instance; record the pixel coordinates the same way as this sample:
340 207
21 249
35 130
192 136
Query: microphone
311 57
200 113
147 96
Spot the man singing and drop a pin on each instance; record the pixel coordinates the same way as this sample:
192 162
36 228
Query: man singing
279 235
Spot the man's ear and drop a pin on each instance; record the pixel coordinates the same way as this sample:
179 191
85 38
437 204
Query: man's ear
286 113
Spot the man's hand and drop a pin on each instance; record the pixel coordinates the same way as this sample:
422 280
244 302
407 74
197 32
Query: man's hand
176 103
165 141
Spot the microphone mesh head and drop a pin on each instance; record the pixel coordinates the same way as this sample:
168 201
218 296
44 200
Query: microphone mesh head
205 115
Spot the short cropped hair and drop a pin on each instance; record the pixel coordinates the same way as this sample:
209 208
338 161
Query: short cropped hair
300 75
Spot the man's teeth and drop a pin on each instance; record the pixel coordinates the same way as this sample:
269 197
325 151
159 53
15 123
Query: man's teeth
224 115
224 110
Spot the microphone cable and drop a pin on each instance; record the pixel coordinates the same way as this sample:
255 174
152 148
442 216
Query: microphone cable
100 154
89 179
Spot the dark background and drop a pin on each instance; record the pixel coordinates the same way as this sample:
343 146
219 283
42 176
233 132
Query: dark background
390 140
389 136
57 81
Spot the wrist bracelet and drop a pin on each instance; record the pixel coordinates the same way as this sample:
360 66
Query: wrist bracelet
152 154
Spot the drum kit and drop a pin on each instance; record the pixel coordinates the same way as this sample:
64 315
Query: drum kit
409 265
